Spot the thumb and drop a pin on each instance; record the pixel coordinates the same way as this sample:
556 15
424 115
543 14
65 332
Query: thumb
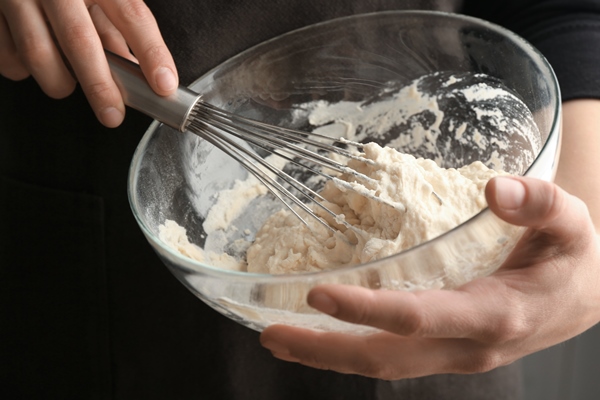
536 204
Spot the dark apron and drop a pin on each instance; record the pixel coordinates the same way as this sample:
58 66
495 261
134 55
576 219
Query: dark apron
87 310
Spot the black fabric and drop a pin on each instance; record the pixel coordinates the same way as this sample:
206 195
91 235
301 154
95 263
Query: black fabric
202 34
53 308
567 32
87 311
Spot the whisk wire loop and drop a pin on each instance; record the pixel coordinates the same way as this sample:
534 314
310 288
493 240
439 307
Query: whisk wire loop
251 162
219 127
279 140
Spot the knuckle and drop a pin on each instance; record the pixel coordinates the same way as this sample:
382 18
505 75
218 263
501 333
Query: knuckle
486 361
374 366
79 37
361 312
34 53
510 326
155 53
582 217
135 12
556 203
98 92
512 321
412 322
483 360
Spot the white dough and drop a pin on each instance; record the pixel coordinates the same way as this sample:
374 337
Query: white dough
419 200
175 236
285 245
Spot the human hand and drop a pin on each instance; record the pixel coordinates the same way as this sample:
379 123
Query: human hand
35 35
546 292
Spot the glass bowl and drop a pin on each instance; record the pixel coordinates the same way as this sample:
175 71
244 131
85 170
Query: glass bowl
175 176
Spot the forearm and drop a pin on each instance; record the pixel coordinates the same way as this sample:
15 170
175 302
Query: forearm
580 153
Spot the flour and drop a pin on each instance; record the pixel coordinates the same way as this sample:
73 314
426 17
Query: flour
435 199
175 236
450 119
447 119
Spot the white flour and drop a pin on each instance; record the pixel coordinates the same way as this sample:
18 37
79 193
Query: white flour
435 199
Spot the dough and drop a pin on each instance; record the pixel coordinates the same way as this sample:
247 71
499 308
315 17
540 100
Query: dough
422 201
452 120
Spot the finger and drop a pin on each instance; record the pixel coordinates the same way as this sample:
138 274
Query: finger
137 24
109 35
537 204
81 45
37 51
11 66
477 310
383 356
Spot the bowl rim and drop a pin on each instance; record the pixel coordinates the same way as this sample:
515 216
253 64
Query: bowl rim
190 265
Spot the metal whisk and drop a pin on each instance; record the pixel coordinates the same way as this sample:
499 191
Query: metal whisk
186 111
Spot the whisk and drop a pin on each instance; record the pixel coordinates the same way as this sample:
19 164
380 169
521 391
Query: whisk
186 111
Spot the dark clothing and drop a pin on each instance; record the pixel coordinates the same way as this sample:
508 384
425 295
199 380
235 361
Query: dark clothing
567 32
87 311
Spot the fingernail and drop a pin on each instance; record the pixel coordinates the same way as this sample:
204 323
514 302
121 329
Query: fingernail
510 193
165 79
323 303
111 117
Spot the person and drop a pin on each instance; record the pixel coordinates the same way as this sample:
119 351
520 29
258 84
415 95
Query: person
86 309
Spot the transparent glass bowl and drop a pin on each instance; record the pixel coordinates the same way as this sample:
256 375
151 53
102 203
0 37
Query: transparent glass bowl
175 176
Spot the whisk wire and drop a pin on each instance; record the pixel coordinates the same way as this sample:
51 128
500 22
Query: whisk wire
272 139
245 156
235 151
219 127
287 133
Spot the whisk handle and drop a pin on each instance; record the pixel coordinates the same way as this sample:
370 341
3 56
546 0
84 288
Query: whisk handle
171 110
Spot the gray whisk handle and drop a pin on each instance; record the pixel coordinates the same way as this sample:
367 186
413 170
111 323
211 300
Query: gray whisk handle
171 110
